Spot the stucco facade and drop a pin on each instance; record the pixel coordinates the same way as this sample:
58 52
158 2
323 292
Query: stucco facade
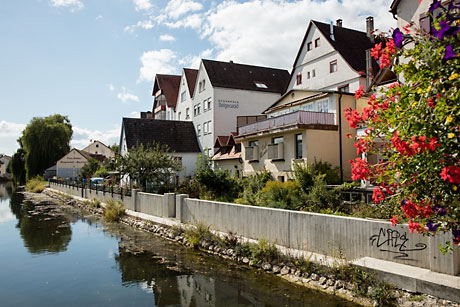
4 161
98 148
68 166
319 142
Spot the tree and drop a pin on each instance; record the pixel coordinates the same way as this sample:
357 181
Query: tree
418 121
148 164
89 168
45 140
17 167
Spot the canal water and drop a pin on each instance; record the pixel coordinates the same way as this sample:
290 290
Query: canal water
62 256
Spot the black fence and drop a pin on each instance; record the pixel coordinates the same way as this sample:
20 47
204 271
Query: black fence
103 188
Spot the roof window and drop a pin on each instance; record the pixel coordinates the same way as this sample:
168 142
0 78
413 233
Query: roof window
260 85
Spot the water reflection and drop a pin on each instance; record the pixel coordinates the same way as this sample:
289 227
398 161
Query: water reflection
44 228
5 190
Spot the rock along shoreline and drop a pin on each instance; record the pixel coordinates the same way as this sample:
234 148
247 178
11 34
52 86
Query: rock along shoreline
321 282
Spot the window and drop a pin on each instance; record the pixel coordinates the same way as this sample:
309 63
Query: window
313 73
323 106
209 102
278 140
198 130
205 128
298 146
298 79
97 145
260 85
209 126
345 88
253 143
182 96
187 113
201 85
308 75
178 116
309 46
317 43
333 66
197 110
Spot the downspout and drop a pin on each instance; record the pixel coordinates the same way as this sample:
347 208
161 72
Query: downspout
340 137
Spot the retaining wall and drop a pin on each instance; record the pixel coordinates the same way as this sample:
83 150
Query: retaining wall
331 235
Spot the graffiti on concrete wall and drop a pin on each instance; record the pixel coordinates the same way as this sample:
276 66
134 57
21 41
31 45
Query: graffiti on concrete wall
393 241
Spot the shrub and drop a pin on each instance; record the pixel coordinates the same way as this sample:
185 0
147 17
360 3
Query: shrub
113 210
200 231
93 203
253 185
265 251
36 185
283 195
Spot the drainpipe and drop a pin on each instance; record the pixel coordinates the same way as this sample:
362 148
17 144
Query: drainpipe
340 137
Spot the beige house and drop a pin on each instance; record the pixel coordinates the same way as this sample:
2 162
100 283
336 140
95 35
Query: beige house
4 161
228 154
99 148
301 125
68 166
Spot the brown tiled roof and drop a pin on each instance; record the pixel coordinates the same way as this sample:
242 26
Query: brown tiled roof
169 84
351 44
190 75
228 153
244 77
88 156
221 140
179 136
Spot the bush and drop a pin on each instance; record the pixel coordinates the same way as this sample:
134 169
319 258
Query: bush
113 210
264 251
93 203
253 185
200 231
283 195
36 185
220 183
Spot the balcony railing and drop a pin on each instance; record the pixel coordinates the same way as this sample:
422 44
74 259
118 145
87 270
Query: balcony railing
295 118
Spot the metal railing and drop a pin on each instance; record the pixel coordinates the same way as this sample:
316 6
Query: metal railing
294 118
104 188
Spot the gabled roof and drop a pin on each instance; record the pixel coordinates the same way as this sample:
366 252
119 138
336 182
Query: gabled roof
169 85
221 140
179 136
190 75
245 77
96 141
351 44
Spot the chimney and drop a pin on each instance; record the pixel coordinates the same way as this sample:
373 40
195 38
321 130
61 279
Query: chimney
231 61
339 23
332 32
370 28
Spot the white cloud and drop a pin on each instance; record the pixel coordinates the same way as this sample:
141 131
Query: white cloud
73 5
126 97
99 17
177 8
144 24
156 62
142 5
269 32
194 61
167 38
9 129
82 137
111 87
135 114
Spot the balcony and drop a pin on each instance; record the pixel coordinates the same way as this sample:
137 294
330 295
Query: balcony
252 153
298 119
276 152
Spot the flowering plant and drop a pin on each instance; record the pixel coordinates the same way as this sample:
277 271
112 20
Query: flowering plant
414 125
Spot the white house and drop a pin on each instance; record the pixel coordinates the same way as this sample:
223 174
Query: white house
165 91
184 104
333 58
179 136
99 148
70 165
408 11
225 90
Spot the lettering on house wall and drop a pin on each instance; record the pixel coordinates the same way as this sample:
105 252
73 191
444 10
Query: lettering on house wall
393 241
228 104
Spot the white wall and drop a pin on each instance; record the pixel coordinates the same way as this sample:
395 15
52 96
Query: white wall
319 59
181 106
69 165
409 10
99 149
188 163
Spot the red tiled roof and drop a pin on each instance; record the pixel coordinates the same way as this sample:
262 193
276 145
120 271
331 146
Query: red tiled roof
191 75
169 84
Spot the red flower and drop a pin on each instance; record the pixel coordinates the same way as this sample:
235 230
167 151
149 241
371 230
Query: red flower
451 173
359 169
378 196
359 93
413 226
375 52
394 220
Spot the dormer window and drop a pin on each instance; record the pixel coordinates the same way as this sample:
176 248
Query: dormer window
309 46
260 85
298 79
201 85
317 43
182 96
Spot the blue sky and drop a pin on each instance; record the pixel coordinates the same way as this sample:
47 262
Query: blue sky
95 60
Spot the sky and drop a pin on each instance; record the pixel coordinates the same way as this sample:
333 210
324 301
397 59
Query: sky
95 60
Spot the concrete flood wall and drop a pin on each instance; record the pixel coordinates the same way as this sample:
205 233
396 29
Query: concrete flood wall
351 238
